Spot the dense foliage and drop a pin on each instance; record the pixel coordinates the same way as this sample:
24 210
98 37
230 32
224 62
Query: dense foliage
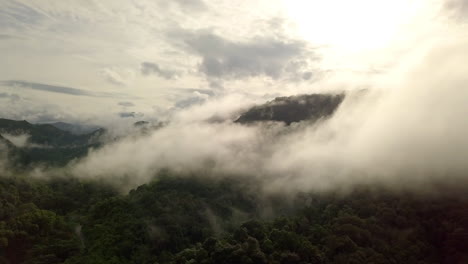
37 218
200 220
357 229
310 107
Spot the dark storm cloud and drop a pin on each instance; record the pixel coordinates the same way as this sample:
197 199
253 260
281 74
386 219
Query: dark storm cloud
267 56
149 68
57 89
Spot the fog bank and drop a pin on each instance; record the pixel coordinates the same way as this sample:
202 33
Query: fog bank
409 128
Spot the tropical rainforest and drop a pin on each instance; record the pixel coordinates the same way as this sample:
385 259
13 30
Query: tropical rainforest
188 219
195 217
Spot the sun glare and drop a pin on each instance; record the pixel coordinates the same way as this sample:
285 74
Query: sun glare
351 25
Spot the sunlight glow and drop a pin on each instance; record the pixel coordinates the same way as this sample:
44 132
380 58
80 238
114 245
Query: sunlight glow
352 25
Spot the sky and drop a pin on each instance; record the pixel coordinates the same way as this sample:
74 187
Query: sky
199 63
111 61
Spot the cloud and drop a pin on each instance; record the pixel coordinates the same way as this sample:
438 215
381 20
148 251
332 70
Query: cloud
187 7
126 104
20 140
149 68
216 84
58 89
262 56
12 97
130 114
7 37
457 9
411 134
416 126
307 75
192 5
33 112
19 16
116 78
184 98
87 54
196 98
191 90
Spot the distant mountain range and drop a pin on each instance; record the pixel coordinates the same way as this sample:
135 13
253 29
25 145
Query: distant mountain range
75 129
44 143
47 134
293 109
60 142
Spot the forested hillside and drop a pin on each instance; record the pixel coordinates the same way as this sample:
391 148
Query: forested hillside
202 217
190 219
44 143
292 109
234 132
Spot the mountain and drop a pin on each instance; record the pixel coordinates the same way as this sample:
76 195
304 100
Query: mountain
75 129
45 143
294 109
190 217
44 134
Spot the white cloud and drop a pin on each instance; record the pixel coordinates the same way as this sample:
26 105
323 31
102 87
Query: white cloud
149 68
17 140
118 77
410 134
233 54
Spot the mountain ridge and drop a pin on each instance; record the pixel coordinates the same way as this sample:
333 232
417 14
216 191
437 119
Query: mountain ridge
45 142
293 109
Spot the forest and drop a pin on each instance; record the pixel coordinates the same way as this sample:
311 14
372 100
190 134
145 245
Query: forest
189 218
200 216
234 132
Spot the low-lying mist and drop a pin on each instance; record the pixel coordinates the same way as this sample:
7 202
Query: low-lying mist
408 130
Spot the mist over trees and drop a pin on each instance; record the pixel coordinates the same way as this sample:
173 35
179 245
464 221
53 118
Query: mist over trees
209 216
353 177
232 132
191 219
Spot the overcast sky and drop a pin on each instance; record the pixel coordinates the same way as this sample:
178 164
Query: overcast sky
94 60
